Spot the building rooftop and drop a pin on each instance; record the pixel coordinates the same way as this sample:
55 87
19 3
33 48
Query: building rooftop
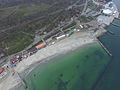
108 14
107 11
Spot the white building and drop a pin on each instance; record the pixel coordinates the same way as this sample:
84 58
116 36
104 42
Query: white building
107 12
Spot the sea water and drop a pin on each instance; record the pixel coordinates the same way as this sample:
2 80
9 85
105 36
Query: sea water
76 70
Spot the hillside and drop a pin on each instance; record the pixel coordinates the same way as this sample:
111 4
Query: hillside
21 19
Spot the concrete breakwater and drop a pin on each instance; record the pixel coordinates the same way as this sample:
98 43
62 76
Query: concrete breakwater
108 52
115 24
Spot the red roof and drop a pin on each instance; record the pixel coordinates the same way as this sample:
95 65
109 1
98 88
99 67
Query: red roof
1 70
40 45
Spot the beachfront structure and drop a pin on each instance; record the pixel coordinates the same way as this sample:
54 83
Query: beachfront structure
39 46
1 70
14 59
3 73
60 37
81 26
70 33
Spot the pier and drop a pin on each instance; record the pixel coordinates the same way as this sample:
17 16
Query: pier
117 18
108 52
116 24
111 32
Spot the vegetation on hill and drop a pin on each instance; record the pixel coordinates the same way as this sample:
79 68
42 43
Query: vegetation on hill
21 19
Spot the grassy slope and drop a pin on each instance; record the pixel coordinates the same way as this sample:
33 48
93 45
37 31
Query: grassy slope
17 42
23 11
27 9
6 11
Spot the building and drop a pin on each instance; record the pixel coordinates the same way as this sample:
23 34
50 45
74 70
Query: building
107 12
108 9
60 37
39 46
1 70
69 33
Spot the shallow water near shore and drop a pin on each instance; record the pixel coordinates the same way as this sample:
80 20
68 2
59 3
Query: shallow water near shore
76 70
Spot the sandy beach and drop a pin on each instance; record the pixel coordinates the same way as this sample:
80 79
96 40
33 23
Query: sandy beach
60 47
63 46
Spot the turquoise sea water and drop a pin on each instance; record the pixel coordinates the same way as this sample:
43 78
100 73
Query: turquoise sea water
77 70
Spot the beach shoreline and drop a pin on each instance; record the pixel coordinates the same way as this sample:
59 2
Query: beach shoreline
60 47
26 72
